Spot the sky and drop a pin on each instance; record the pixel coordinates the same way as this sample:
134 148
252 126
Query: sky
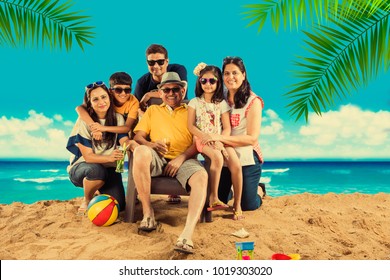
40 88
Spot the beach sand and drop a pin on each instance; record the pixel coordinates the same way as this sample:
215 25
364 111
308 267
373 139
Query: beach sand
318 227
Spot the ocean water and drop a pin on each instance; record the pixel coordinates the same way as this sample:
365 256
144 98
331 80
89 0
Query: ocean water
32 181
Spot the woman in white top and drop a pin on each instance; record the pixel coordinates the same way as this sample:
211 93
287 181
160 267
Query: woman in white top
92 165
245 120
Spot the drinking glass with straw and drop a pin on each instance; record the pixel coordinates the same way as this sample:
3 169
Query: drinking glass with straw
120 164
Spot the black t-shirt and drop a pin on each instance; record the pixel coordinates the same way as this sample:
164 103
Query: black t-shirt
146 82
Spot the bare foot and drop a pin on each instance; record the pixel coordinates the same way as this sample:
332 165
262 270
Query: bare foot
261 190
83 207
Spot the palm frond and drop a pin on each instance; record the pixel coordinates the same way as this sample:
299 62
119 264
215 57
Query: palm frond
346 58
299 13
40 23
359 8
292 13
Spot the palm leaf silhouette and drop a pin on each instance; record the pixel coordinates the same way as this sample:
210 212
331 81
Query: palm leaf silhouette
297 13
42 22
350 50
346 58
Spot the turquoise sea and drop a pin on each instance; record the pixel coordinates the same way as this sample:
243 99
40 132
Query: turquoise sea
31 181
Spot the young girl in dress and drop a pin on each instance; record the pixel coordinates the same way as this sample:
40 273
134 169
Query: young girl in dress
208 113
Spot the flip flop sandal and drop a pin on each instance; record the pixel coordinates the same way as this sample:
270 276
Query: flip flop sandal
149 224
237 216
174 199
81 211
218 205
184 246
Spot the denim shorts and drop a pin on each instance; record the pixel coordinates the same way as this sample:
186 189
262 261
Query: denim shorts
94 171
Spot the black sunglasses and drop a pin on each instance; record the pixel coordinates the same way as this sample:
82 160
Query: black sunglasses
231 58
153 62
119 90
204 81
97 84
168 90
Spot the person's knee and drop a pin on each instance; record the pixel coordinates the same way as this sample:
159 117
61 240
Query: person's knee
250 203
141 155
235 167
94 171
198 180
216 159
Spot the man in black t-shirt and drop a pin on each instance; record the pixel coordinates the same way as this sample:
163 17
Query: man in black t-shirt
158 63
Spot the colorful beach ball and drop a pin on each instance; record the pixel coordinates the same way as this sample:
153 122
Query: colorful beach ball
103 210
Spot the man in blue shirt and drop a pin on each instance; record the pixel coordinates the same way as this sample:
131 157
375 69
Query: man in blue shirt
158 64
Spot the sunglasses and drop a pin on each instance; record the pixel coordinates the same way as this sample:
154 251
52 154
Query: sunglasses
119 90
168 90
231 58
204 81
153 62
97 84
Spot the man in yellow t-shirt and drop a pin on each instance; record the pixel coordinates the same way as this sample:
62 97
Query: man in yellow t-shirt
167 149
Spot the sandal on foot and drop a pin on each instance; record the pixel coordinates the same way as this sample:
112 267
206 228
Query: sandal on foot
184 246
148 224
218 205
173 199
237 215
82 209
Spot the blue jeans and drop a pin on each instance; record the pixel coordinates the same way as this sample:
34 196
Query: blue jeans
113 184
251 176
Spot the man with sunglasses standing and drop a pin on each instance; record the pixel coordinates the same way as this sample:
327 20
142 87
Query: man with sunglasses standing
158 64
154 158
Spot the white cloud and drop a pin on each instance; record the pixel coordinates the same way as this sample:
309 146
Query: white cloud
271 114
349 123
32 123
58 117
33 137
272 124
349 133
69 123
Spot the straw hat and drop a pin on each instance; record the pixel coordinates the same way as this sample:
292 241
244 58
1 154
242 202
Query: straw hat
171 78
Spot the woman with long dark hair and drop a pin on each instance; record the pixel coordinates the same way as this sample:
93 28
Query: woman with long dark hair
92 165
245 120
